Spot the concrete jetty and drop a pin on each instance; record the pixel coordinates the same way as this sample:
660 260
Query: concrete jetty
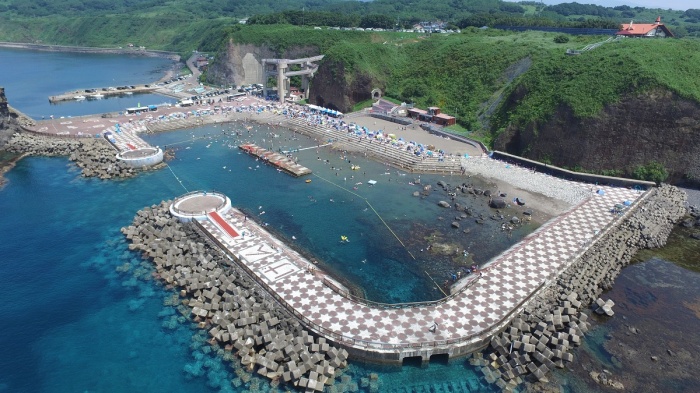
132 150
121 132
277 160
223 299
99 93
465 321
94 156
555 321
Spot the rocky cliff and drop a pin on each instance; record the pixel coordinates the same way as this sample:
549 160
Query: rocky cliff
336 88
332 86
8 120
242 63
655 126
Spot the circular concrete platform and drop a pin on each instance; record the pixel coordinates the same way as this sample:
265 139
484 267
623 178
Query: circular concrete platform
197 204
145 156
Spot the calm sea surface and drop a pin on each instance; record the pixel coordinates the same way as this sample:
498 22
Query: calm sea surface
30 77
79 311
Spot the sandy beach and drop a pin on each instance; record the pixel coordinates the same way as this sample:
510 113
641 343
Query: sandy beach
417 134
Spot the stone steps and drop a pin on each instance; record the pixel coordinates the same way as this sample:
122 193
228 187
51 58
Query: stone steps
397 157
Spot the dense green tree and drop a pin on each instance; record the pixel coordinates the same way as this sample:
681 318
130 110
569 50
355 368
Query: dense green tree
511 7
561 39
377 21
692 13
652 171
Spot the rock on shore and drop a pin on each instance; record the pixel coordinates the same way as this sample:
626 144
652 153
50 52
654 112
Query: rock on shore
237 313
555 321
550 186
9 120
94 156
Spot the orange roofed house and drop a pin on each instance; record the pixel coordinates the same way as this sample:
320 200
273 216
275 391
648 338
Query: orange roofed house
656 29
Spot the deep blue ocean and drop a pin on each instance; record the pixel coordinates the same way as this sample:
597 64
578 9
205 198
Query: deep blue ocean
80 313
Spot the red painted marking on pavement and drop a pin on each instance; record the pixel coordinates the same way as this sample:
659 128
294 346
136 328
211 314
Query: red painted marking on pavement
223 224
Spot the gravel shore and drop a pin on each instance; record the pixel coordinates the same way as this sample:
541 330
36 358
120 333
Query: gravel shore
693 196
528 180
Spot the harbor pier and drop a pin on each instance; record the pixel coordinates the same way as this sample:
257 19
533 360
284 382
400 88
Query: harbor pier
96 94
461 323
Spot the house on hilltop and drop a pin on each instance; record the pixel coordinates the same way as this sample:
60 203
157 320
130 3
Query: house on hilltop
656 29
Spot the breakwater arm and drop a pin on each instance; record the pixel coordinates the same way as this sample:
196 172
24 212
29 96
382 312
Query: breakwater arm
94 156
544 336
87 49
237 313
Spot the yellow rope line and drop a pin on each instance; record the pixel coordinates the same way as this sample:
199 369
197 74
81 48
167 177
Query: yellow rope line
176 178
373 209
436 284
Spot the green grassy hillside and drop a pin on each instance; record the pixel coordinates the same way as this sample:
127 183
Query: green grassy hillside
587 82
165 32
468 74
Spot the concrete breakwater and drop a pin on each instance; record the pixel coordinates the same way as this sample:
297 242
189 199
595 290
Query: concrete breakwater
238 314
555 322
94 156
88 49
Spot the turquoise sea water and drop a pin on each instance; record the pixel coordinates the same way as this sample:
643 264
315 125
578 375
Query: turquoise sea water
81 313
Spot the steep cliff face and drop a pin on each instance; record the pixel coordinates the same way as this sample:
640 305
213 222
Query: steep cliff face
8 120
242 63
332 86
655 126
335 88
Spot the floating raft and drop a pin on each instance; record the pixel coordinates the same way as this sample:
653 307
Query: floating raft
276 159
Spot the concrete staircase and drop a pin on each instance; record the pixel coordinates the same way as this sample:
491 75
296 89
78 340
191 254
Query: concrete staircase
392 155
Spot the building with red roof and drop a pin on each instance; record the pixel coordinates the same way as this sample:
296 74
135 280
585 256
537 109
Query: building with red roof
656 29
444 120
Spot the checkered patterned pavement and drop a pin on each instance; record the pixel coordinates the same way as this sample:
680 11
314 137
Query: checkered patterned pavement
507 281
126 139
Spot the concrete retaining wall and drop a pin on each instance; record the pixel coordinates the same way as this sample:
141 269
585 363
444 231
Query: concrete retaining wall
398 120
567 174
431 128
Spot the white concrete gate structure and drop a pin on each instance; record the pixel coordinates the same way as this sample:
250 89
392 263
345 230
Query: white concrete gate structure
278 67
